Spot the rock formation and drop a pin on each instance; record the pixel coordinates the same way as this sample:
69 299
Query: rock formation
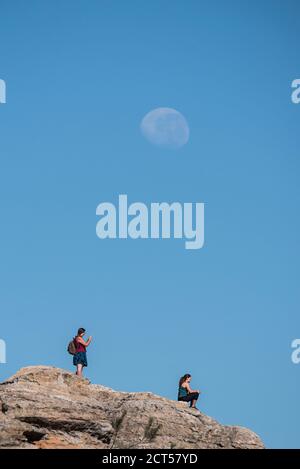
46 407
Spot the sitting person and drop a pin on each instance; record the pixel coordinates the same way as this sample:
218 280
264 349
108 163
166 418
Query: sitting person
185 393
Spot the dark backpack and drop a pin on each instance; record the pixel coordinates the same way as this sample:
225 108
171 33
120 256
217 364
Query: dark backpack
72 347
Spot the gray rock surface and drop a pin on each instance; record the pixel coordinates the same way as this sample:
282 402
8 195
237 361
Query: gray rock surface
46 407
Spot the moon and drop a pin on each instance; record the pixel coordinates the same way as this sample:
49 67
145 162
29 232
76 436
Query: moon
165 127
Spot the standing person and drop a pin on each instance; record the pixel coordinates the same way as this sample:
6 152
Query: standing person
185 393
79 359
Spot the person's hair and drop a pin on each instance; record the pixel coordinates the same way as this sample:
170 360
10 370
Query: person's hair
184 378
81 330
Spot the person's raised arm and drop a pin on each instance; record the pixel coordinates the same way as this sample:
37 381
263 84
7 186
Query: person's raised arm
191 390
83 342
88 341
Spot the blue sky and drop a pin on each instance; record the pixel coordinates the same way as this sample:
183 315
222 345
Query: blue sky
80 77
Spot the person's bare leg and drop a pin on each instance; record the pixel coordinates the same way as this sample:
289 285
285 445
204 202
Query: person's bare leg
79 370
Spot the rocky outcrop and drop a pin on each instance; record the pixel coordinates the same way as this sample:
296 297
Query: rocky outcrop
46 407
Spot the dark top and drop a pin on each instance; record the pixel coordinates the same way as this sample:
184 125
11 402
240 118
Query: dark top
182 392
